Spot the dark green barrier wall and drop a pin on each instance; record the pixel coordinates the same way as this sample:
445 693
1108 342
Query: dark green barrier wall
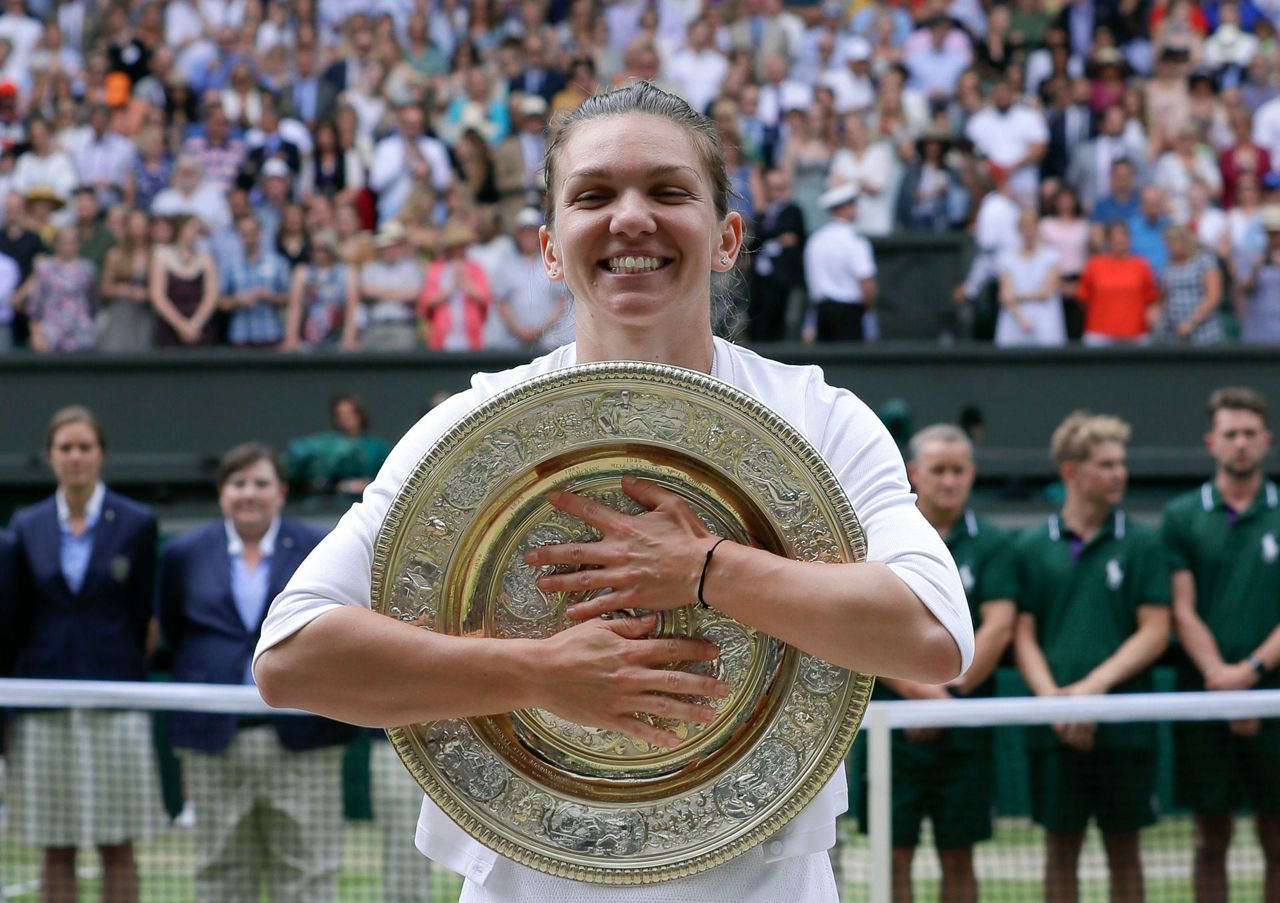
168 415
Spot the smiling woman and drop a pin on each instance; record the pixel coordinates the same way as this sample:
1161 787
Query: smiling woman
637 224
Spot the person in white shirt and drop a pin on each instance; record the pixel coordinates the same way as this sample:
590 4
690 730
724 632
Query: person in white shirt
638 222
405 157
840 272
104 159
698 69
528 309
191 194
1013 137
1030 291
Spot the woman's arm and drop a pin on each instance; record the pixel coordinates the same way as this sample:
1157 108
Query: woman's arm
350 311
293 313
160 297
108 287
1209 302
209 301
861 616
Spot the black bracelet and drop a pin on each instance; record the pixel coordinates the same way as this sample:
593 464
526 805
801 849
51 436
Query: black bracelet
954 692
706 564
1258 665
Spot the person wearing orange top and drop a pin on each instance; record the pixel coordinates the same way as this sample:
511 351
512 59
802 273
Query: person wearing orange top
1118 291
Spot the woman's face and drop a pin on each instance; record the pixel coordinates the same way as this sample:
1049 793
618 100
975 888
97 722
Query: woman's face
76 456
251 498
161 230
138 226
636 234
1065 205
189 234
65 244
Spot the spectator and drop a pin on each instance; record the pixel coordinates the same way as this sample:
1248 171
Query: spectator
536 76
1191 292
191 194
293 241
1012 137
9 282
273 139
529 310
151 170
1258 290
777 264
85 572
1067 233
1229 50
936 60
995 230
93 237
43 166
1207 222
16 240
1221 542
324 300
1148 227
699 68
59 298
1093 600
949 775
455 294
1167 102
839 271
125 324
268 784
1092 167
221 154
1117 290
476 169
407 156
477 107
254 288
1241 157
343 459
331 170
1186 162
583 82
931 197
871 168
1030 300
104 159
517 161
1070 123
808 145
389 288
183 288
1244 220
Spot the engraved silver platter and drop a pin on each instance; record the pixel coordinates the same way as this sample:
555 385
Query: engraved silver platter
590 804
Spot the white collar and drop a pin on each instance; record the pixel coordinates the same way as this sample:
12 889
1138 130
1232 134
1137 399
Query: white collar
266 545
92 510
721 358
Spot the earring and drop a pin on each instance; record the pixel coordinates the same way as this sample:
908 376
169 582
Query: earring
724 259
552 272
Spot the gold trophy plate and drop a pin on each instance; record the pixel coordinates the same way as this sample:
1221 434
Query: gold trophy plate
591 804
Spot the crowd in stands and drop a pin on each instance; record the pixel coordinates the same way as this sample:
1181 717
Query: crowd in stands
297 174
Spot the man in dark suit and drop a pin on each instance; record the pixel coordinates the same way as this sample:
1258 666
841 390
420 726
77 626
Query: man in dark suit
8 605
537 76
264 788
344 72
1070 123
777 269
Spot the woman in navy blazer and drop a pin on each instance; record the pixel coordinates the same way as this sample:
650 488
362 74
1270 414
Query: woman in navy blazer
84 579
267 791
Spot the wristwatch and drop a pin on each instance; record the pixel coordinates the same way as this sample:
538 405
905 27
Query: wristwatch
1259 666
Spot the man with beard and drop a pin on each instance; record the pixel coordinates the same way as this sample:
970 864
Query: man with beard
1223 541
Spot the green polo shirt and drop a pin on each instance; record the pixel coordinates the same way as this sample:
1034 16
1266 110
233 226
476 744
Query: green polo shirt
1234 559
984 556
1086 604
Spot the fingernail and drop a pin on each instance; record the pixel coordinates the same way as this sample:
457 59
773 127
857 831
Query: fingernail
670 741
530 557
707 715
713 649
722 689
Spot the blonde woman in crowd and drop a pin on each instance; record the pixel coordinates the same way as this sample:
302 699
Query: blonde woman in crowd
125 322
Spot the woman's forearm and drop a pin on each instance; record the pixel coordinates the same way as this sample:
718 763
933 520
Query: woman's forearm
359 666
859 616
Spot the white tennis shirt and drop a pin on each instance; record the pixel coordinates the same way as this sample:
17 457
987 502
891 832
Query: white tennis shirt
866 461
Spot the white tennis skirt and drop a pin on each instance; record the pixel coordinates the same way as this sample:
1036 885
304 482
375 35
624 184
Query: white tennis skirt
83 777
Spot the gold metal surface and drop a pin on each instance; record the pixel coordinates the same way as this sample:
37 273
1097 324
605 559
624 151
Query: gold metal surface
579 802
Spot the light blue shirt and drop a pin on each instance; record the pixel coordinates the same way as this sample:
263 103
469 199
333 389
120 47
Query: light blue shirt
74 551
249 587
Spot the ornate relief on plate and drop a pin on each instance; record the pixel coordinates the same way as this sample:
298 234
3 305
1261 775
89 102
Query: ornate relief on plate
590 804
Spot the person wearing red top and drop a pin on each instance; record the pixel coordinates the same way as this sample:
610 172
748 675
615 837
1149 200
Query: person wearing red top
1242 157
456 295
1117 290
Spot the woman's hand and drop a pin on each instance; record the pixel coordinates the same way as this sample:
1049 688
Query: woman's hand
651 560
608 674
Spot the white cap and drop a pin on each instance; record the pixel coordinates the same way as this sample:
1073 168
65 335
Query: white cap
838 196
275 168
528 218
856 49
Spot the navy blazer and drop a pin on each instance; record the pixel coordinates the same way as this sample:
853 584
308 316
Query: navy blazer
8 602
99 633
211 644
